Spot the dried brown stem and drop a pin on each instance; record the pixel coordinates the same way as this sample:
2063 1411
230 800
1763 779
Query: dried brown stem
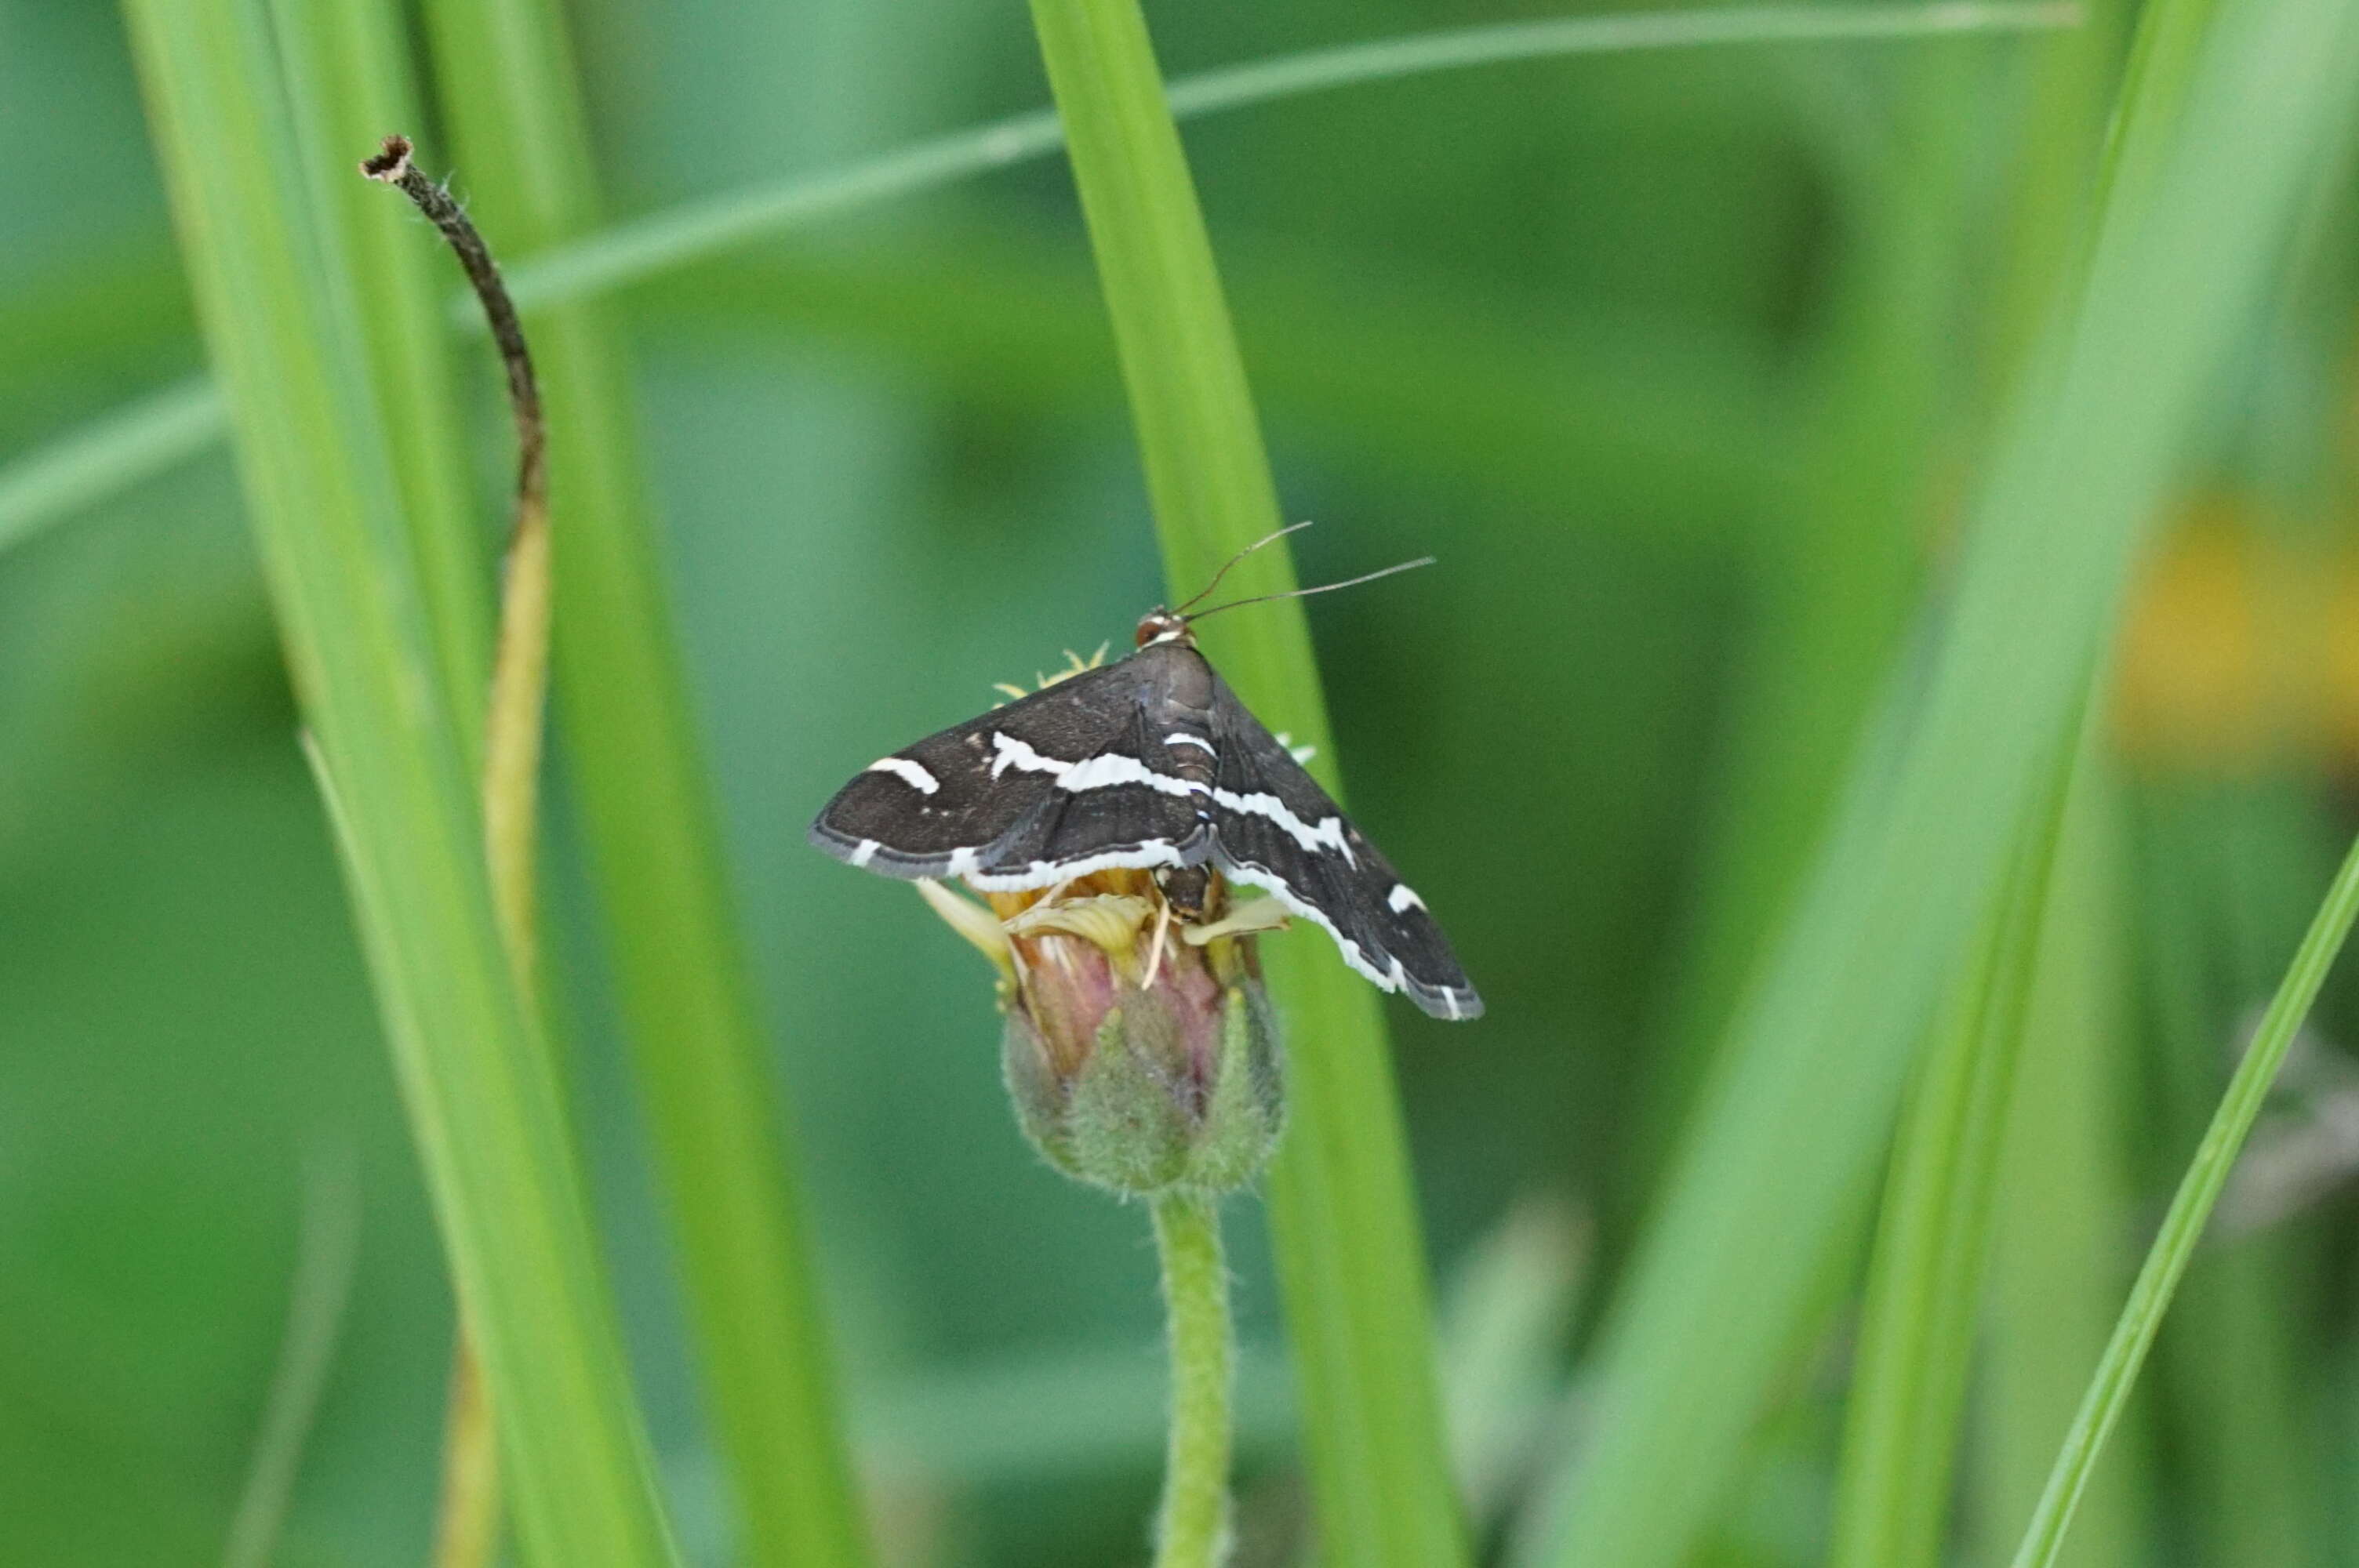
393 167
466 1533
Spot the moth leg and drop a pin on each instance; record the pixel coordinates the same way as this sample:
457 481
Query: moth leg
1155 952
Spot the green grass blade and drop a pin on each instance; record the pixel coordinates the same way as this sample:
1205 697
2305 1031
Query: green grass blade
1919 1320
702 1055
1834 576
280 309
1668 439
121 449
1344 1222
2182 1226
2215 938
354 82
2058 1261
1723 1286
107 455
327 1252
1389 60
686 233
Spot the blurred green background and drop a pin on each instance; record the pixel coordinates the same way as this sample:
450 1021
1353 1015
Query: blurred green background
1680 362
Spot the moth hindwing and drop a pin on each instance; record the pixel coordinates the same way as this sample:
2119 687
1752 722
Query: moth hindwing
1152 763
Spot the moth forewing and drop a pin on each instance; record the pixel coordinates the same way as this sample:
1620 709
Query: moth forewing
1151 763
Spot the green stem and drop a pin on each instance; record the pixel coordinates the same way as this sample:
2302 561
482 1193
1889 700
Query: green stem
1193 1529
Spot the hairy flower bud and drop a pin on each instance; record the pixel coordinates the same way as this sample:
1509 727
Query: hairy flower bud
1142 1054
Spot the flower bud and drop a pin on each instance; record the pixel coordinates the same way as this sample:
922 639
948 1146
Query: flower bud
1142 1054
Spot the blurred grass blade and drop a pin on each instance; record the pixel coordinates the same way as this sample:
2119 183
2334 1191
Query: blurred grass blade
1667 436
704 1059
1344 1222
1389 60
1833 579
106 456
1048 1419
2060 1261
1922 1314
88 464
681 236
2191 1207
327 1249
1505 1315
1714 1304
2219 919
280 308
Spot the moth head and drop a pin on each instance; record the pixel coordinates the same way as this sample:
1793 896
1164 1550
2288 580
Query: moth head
1159 625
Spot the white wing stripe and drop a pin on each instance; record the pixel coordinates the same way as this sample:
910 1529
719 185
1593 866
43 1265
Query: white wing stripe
1114 768
1010 753
1327 834
1049 874
910 773
1253 876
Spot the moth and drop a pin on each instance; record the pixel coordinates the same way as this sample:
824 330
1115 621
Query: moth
1150 762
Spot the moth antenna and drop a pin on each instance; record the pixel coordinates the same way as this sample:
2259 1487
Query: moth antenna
1304 592
1232 560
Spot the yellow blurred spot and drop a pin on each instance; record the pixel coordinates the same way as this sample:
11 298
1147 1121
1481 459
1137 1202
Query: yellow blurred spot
2239 650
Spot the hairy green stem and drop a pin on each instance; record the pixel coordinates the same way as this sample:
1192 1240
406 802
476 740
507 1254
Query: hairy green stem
1192 1531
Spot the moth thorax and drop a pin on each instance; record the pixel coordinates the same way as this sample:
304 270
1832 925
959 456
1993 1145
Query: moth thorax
1159 625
